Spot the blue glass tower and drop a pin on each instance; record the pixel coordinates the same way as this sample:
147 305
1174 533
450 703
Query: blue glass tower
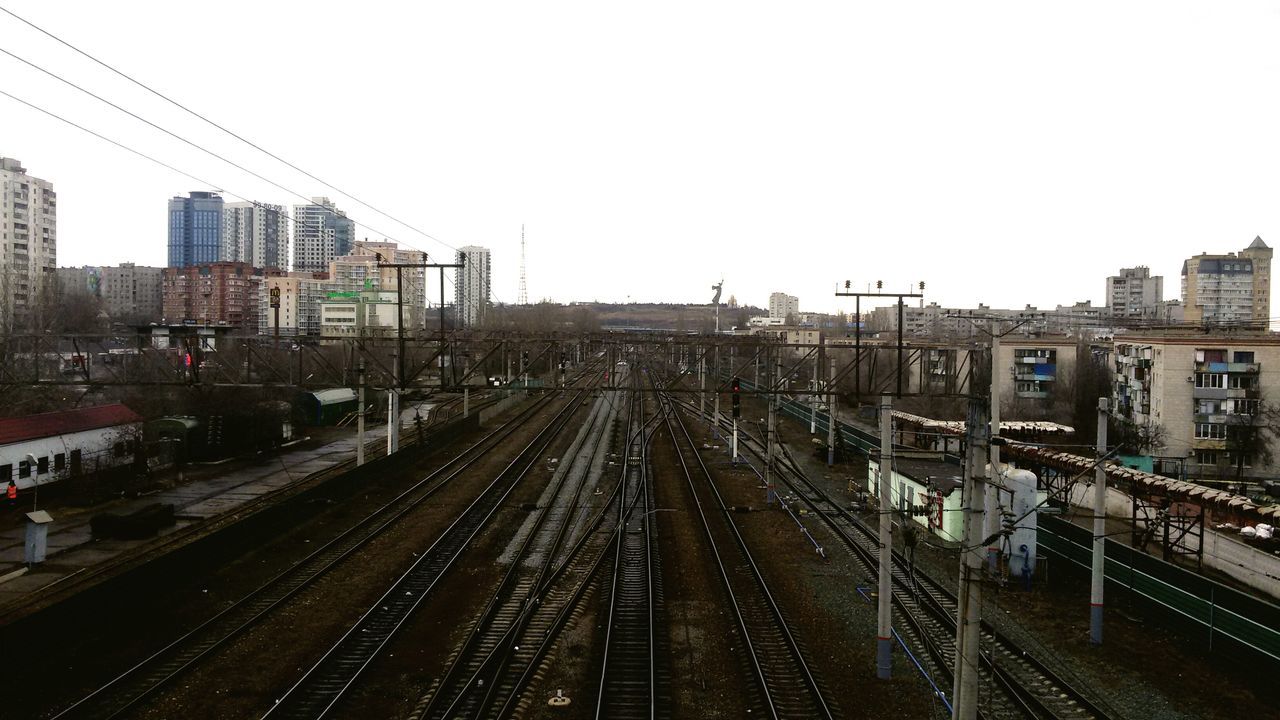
195 229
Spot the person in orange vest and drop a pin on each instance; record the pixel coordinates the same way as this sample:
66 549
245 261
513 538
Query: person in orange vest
12 493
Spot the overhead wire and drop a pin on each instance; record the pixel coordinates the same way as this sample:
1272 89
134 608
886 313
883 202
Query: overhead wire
195 145
141 154
237 136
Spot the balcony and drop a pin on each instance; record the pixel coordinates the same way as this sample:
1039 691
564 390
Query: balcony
1210 393
1223 367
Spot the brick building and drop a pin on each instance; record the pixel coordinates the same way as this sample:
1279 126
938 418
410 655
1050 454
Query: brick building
221 293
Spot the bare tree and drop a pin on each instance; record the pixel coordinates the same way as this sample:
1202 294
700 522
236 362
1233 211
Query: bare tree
1250 435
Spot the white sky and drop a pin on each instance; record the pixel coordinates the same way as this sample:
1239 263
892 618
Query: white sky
1008 153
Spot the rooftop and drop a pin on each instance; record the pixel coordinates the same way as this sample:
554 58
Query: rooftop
64 422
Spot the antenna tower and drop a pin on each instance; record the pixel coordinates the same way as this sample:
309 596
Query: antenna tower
524 286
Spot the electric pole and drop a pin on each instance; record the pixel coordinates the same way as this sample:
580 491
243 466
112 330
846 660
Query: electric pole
360 416
1099 529
884 596
969 600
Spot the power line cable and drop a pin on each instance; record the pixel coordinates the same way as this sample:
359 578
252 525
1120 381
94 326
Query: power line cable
141 154
178 137
242 139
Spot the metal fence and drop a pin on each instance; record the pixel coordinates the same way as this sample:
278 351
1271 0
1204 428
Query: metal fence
1223 619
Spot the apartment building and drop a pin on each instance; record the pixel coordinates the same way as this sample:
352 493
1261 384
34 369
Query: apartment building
365 269
28 243
223 293
321 232
299 295
1231 289
255 233
781 305
1135 294
1197 396
472 285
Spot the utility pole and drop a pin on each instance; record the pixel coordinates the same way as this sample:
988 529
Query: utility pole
393 412
969 600
360 416
715 383
1099 529
400 307
831 413
992 519
771 433
857 332
884 598
702 385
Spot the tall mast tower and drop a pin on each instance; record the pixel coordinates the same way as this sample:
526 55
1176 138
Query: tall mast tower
524 286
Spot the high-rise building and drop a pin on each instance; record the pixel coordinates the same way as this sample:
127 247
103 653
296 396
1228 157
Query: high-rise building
255 233
362 270
1135 294
195 229
471 285
223 293
132 294
321 232
1228 289
299 296
28 243
781 305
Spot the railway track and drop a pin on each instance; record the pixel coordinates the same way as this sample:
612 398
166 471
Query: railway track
478 669
787 687
633 676
129 689
1019 685
320 687
511 641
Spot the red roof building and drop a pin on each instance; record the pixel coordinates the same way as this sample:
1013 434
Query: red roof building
64 422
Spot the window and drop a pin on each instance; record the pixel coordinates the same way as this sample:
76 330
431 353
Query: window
60 461
1211 431
1211 356
1209 380
1242 356
1244 407
1243 382
118 449
1209 407
24 469
1207 457
42 466
6 473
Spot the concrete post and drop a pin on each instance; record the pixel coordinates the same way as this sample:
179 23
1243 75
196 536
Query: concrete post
1099 529
884 610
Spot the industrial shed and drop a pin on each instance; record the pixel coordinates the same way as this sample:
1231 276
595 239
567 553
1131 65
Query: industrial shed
329 407
67 443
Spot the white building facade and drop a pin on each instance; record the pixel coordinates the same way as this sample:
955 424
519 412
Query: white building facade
472 285
28 242
321 232
66 443
781 305
255 233
1135 294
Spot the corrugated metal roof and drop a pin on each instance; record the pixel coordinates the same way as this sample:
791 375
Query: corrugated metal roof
52 424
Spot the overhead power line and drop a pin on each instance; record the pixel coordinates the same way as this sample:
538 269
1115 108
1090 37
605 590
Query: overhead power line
141 154
180 138
242 139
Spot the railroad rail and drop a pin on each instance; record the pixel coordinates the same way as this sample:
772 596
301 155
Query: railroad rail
1027 687
633 676
127 690
788 688
475 671
324 684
